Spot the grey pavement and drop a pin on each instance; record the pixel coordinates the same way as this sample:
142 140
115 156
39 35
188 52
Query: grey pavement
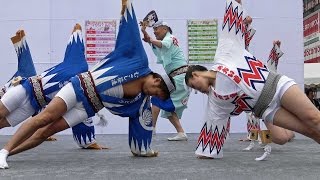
62 159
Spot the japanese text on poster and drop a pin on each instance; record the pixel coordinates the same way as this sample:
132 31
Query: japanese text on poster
100 39
202 40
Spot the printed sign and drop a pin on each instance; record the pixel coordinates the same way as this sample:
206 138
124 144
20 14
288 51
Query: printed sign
100 39
312 53
202 40
311 25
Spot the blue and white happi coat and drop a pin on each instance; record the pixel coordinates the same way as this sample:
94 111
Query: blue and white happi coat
126 63
25 63
84 133
42 88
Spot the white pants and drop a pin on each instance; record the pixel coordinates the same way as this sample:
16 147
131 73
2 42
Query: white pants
283 85
76 112
16 100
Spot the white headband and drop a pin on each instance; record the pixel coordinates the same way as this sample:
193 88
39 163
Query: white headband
160 23
168 82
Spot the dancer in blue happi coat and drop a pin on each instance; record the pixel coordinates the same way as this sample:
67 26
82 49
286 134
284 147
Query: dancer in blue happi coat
84 131
33 93
122 82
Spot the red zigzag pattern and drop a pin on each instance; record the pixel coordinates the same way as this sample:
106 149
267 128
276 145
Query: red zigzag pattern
213 139
232 17
273 57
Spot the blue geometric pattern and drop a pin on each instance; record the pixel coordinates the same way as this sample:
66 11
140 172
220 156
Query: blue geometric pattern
56 77
83 134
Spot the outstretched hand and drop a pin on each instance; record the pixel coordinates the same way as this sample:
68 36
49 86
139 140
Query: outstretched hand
239 1
247 20
143 25
146 37
277 42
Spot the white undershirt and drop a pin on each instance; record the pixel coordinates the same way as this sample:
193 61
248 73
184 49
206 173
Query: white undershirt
116 91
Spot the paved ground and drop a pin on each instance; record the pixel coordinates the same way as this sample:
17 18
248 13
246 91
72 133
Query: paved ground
62 159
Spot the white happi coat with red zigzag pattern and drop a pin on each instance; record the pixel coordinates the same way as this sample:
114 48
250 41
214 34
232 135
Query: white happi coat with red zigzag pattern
246 73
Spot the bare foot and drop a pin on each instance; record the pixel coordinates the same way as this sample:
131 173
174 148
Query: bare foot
204 157
244 140
51 138
153 154
124 6
96 146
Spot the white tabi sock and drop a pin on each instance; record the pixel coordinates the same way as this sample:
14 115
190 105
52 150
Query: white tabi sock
3 159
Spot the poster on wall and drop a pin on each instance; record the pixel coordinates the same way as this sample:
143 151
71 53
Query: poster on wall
100 39
202 40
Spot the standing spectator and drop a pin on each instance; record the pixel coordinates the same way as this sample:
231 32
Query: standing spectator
310 92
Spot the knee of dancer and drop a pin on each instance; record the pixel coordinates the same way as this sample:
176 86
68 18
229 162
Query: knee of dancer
314 117
281 140
42 136
4 123
43 119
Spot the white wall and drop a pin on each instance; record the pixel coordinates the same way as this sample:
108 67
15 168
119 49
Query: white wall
48 24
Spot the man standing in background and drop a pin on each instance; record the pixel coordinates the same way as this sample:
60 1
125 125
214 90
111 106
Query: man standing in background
170 56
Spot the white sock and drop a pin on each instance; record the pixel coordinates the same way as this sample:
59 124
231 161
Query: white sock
4 151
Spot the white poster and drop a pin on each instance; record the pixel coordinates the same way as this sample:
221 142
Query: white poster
100 39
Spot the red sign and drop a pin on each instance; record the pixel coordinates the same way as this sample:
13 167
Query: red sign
312 53
311 25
